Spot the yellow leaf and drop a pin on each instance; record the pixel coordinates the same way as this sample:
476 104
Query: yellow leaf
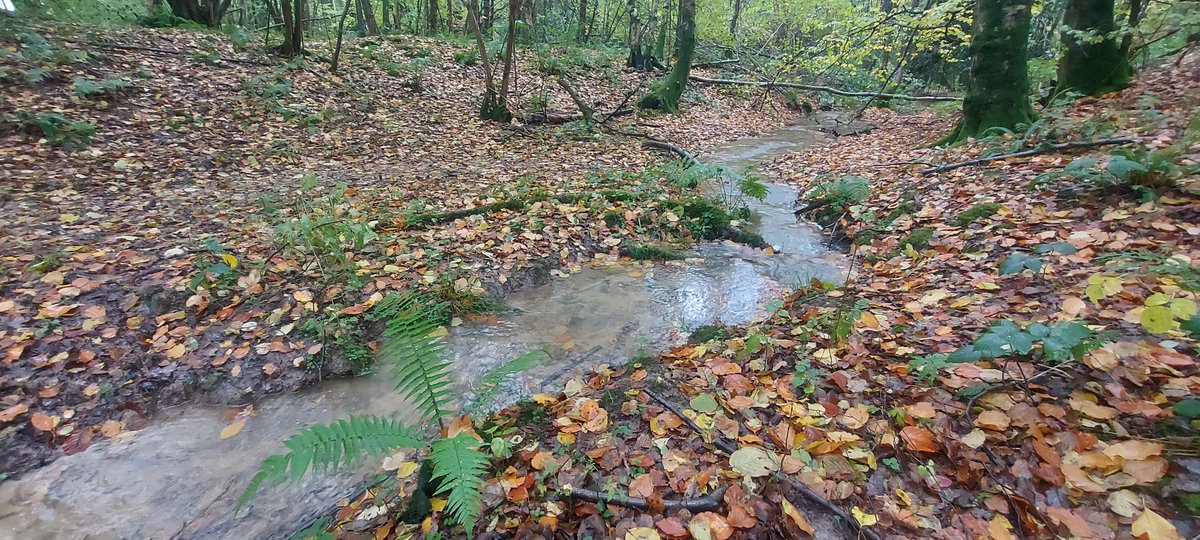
1157 319
177 351
68 218
642 533
437 503
863 518
233 429
406 469
566 438
544 399
1151 526
230 260
1000 528
303 296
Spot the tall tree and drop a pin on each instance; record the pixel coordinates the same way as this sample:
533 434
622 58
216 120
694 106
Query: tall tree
1092 62
337 49
733 21
665 95
431 16
998 87
637 53
369 17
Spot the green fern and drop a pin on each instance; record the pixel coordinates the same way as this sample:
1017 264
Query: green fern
458 470
485 391
420 364
324 447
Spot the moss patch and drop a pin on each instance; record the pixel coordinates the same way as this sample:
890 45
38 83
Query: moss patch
976 213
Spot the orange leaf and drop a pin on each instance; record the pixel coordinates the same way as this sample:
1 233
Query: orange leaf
42 421
11 413
919 439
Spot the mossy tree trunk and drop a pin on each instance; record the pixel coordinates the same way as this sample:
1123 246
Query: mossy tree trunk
665 95
1092 63
206 12
293 27
998 89
637 53
369 17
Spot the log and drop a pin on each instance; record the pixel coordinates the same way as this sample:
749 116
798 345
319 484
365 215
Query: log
819 88
1044 149
584 108
716 63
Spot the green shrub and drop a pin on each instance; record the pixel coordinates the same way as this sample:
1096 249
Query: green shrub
975 213
163 17
91 89
466 58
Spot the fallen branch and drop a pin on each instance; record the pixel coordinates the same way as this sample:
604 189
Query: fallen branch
818 88
664 145
584 108
707 503
716 63
728 447
1030 152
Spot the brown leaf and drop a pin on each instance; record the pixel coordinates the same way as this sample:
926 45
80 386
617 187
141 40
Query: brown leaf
11 413
919 439
42 421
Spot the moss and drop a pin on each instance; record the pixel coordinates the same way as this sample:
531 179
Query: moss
918 239
646 252
865 237
751 239
708 333
614 218
976 213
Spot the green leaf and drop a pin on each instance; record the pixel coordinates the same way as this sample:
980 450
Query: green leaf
420 363
1056 247
1002 339
1157 319
964 355
1188 408
704 403
1063 338
1191 326
1081 164
1182 308
1016 262
486 388
458 470
1123 168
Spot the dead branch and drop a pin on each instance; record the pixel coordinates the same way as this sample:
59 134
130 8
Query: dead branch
818 88
664 145
728 447
584 108
1030 152
707 503
716 63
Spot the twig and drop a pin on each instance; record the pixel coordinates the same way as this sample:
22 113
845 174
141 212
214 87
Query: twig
707 503
1030 152
728 447
819 88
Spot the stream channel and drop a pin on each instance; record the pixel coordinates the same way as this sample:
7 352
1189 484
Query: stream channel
177 479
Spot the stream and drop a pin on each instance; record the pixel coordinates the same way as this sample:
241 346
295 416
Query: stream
177 479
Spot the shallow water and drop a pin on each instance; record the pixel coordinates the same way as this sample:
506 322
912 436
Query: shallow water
177 479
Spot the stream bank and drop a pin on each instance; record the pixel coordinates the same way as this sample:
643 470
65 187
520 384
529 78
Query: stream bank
129 486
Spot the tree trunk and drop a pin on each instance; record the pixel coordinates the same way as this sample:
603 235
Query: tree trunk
206 12
369 15
581 29
337 49
998 89
637 58
733 21
666 94
1087 66
450 16
489 15
431 16
1135 17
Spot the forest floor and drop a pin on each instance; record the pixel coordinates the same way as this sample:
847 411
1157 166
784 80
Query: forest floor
184 247
943 392
221 232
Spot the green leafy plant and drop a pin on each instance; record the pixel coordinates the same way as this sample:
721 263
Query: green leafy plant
466 58
1142 170
92 89
423 373
806 376
57 129
1015 263
1058 342
926 368
832 199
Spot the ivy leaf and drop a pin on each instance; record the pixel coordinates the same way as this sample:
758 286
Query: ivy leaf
1188 408
1016 262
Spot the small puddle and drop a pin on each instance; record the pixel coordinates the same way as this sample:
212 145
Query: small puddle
177 479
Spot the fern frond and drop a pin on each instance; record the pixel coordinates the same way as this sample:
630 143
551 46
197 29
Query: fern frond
485 390
324 447
458 470
420 363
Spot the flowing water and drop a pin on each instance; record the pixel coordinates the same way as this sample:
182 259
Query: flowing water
177 479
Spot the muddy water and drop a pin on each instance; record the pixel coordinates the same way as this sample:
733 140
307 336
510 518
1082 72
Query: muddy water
177 479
